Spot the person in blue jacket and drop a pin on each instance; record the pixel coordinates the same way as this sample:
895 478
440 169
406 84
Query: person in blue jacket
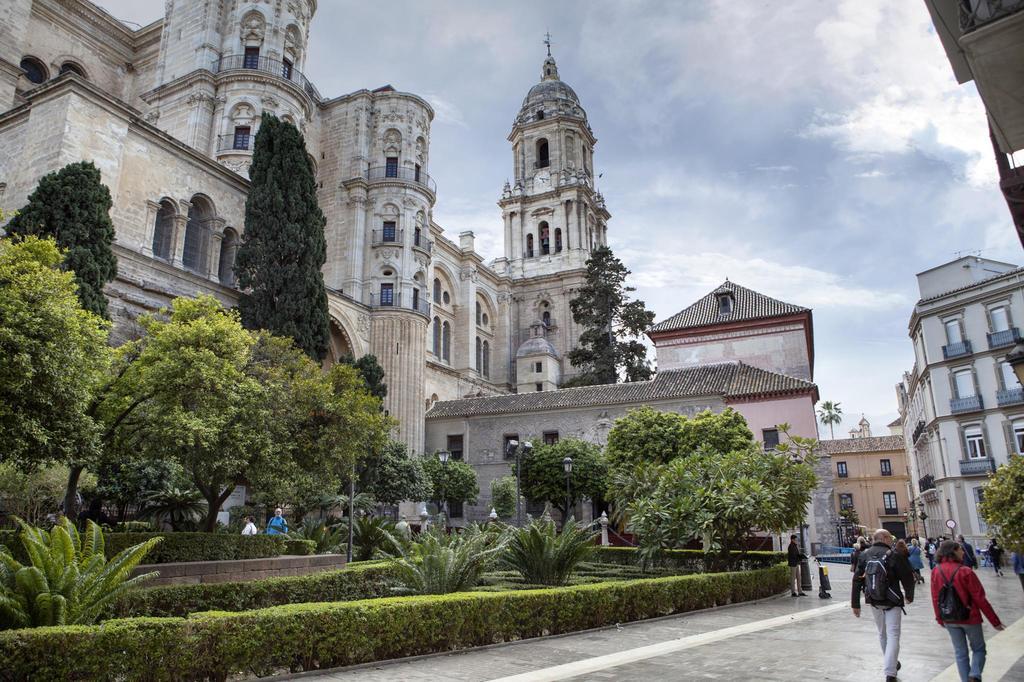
277 525
914 557
970 560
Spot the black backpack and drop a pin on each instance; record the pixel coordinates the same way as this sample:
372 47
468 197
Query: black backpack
876 581
951 607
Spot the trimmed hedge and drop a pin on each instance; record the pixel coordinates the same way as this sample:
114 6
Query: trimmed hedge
198 546
693 560
297 637
299 547
363 580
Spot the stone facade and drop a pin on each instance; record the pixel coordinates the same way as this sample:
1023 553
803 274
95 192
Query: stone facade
169 112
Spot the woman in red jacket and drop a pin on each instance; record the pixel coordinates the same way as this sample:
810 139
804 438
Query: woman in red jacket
950 569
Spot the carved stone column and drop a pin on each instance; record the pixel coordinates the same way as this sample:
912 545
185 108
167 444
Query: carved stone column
178 242
152 210
216 228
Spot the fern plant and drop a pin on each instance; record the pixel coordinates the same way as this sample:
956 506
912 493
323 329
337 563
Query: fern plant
370 536
543 556
328 539
68 580
436 563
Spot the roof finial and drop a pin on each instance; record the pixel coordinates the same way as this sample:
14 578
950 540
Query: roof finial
547 41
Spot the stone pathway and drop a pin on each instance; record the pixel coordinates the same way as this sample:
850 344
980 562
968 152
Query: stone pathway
777 639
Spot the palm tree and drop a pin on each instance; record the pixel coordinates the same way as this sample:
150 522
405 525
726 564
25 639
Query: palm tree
830 413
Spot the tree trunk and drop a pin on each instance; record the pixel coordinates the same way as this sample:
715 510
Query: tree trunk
213 503
71 493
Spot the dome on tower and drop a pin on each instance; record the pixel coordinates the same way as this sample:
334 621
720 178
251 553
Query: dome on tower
551 96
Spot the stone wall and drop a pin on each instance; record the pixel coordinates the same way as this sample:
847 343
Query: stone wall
194 572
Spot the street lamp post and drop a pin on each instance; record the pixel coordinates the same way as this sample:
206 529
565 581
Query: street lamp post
444 456
567 466
514 449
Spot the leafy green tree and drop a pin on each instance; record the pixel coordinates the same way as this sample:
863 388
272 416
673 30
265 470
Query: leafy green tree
831 415
392 476
34 494
613 325
72 205
53 355
503 496
543 476
1003 505
372 373
649 435
283 249
452 482
128 481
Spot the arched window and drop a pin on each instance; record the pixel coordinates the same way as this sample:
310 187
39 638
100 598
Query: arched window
529 246
163 230
479 355
570 150
446 342
546 318
487 359
542 153
73 68
228 249
545 238
437 336
437 290
34 70
479 313
558 240
540 114
197 235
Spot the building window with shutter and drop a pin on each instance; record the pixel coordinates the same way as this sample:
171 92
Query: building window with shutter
252 58
963 381
242 137
387 294
539 387
286 69
770 437
974 441
999 318
889 502
538 367
455 447
886 467
1016 437
953 332
841 470
391 167
550 437
846 500
389 232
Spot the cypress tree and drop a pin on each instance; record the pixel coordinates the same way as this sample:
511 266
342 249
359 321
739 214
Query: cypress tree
283 249
72 206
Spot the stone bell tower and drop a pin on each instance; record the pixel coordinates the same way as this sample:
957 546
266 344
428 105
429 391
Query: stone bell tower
553 215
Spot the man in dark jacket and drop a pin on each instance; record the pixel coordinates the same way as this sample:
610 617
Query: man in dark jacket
795 556
970 559
880 563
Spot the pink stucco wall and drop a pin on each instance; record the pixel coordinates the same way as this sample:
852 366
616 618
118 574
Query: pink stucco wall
797 411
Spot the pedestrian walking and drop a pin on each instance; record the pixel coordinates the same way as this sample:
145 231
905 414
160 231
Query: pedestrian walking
931 547
250 526
794 557
880 575
277 525
959 600
1017 559
995 553
859 546
970 560
914 558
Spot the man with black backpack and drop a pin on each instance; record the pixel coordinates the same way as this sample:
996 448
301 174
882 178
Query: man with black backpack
959 600
879 575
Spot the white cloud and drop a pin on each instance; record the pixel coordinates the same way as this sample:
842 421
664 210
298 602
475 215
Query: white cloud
445 111
874 173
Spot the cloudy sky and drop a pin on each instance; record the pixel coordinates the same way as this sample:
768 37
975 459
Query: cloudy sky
819 152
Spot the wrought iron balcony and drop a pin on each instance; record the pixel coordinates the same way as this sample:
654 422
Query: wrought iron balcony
971 403
417 305
956 350
387 237
1010 396
918 430
977 467
422 243
274 67
418 177
926 482
1007 337
233 142
885 511
977 13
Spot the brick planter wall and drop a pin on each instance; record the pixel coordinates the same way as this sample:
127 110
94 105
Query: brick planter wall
191 572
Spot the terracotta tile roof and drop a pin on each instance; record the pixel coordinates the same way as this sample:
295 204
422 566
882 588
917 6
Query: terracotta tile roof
726 380
747 305
869 444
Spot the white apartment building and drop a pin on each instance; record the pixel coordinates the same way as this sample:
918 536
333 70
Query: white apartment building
961 405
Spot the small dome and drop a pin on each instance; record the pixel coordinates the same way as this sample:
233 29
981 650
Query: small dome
538 345
551 90
546 91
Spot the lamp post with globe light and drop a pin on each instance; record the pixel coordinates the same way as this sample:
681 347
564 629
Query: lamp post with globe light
514 448
567 467
444 456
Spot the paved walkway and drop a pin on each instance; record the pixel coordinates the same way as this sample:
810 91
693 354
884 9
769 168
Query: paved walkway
777 639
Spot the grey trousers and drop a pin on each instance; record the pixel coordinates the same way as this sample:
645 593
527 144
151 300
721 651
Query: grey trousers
888 622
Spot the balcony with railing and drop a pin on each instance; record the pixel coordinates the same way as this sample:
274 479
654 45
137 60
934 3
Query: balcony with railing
274 67
926 482
423 244
1010 396
387 237
392 173
886 511
234 142
918 430
972 403
956 350
1007 337
977 13
977 467
415 304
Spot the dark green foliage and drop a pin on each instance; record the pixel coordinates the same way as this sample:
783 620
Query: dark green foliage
503 496
283 249
313 636
371 372
180 508
544 556
356 581
543 475
649 435
127 482
393 476
370 536
325 539
72 205
454 481
200 546
613 325
299 547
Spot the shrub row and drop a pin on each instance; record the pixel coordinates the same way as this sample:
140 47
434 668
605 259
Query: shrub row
299 547
363 580
198 546
693 560
297 637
